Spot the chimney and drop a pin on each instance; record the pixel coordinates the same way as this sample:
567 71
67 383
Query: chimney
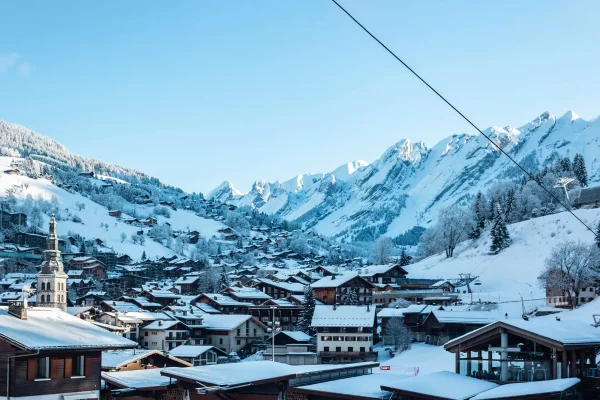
17 309
368 307
334 306
332 277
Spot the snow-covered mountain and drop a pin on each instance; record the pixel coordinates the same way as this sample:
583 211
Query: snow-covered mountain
411 182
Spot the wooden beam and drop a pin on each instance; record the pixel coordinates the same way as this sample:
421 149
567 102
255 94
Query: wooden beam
457 362
563 367
582 357
489 368
554 364
480 363
573 363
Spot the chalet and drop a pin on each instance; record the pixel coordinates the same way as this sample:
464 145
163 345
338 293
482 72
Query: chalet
445 285
91 298
284 337
115 213
417 296
12 171
387 314
336 289
34 240
198 355
226 231
224 304
140 385
132 221
588 197
344 333
541 349
166 203
350 387
286 313
439 326
292 354
87 174
278 290
233 332
136 359
247 295
188 284
163 297
38 360
383 273
8 219
412 283
91 267
164 335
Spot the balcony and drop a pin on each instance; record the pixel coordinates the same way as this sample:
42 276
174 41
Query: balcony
366 355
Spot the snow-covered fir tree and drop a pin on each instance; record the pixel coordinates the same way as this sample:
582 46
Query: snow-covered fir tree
144 255
223 282
404 258
307 310
499 233
597 239
579 170
352 299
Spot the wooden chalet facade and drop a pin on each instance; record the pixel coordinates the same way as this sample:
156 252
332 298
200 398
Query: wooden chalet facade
335 289
39 361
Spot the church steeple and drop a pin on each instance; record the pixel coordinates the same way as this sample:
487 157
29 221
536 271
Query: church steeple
51 290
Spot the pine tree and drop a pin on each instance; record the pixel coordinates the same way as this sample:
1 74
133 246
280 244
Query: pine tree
82 248
144 255
565 164
598 235
352 299
510 204
404 258
499 233
579 170
479 210
223 282
475 233
306 312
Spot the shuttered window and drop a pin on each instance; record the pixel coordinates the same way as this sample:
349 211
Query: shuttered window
79 365
68 367
88 366
53 368
31 369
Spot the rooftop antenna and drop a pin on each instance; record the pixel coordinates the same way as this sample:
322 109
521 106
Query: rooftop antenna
563 183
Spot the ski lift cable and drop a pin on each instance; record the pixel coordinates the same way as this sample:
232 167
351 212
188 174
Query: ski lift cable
464 117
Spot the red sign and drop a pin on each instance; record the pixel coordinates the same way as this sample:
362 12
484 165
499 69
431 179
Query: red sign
385 368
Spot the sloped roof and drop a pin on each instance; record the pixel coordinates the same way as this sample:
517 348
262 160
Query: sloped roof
343 316
527 389
190 351
51 329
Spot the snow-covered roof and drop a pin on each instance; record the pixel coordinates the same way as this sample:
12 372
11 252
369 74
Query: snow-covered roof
51 328
528 389
291 287
139 379
466 317
251 372
218 322
225 300
442 385
371 270
118 358
249 293
185 280
343 316
296 335
190 351
162 325
335 280
566 333
391 312
363 387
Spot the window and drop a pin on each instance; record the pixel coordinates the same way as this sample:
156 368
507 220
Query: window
78 365
239 332
326 338
362 349
350 349
220 340
145 344
254 331
338 349
239 342
43 368
146 333
350 338
326 348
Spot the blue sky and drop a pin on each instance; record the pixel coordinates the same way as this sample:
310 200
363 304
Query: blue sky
197 92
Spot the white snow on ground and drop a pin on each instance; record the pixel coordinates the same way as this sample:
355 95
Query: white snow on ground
513 272
94 214
421 357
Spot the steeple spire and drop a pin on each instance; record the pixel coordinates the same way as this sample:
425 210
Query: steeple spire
52 280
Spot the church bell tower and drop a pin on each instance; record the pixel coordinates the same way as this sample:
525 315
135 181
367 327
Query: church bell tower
51 288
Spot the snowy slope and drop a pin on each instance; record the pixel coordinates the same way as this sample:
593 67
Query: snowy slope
411 182
511 274
93 215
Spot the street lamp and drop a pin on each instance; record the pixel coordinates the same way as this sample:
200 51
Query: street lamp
273 333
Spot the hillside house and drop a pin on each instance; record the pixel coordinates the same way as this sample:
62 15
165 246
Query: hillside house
91 267
383 273
51 364
115 213
224 304
588 197
286 313
344 333
247 294
162 297
439 326
164 335
12 171
188 284
278 290
233 332
8 219
335 289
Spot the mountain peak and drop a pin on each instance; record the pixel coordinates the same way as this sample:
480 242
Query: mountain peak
569 116
224 192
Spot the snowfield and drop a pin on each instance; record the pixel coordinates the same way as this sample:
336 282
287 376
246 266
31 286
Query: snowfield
511 274
93 215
